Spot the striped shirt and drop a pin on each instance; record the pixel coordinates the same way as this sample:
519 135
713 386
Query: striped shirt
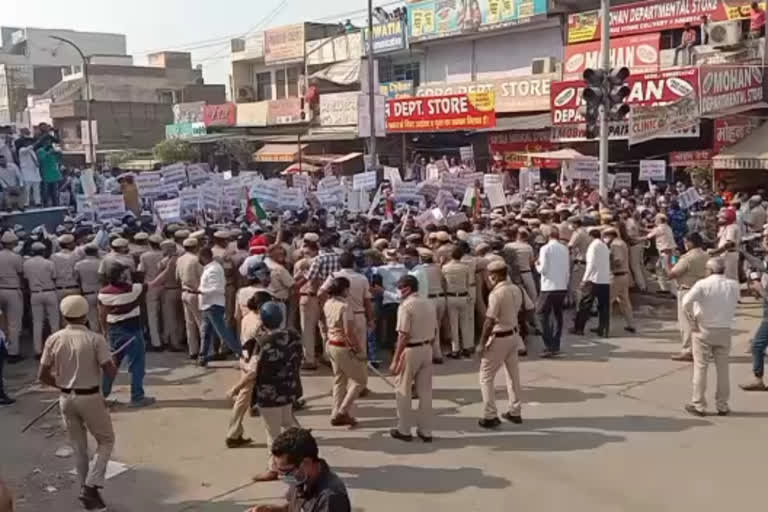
121 301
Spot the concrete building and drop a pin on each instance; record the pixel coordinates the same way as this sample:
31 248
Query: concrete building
31 62
131 104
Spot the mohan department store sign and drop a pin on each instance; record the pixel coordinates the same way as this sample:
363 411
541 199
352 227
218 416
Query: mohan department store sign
455 112
523 94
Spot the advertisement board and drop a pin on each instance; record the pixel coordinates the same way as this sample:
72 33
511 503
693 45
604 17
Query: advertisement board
730 130
702 157
191 112
285 111
513 145
455 112
434 19
645 89
728 87
184 130
399 89
220 115
387 37
284 45
655 16
516 94
339 109
639 53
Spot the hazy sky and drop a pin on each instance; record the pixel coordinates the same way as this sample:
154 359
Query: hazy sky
152 25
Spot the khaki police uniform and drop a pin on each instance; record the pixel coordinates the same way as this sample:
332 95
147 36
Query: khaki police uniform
636 253
76 356
480 273
309 311
40 273
149 265
730 233
280 285
112 257
504 303
525 259
11 298
417 319
224 256
173 327
691 268
359 294
471 262
443 253
66 283
620 279
578 246
436 294
188 273
350 375
457 281
87 274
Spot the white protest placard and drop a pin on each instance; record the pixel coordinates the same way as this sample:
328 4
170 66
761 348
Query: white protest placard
424 219
437 213
584 169
610 181
495 194
169 189
406 191
469 195
170 210
689 198
364 181
190 201
623 180
375 201
84 205
433 172
429 188
445 201
330 197
653 170
392 174
88 183
455 220
291 199
453 184
301 181
328 182
231 197
175 174
535 174
108 206
198 174
210 198
148 184
267 192
467 154
470 179
524 179
492 179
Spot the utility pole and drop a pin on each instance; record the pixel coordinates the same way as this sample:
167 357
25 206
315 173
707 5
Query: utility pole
605 50
371 89
91 147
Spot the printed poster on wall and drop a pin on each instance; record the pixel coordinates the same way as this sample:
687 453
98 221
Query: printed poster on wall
456 112
731 129
639 53
284 45
339 109
729 87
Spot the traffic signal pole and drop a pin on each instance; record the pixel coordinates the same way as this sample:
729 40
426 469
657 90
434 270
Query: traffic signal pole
605 50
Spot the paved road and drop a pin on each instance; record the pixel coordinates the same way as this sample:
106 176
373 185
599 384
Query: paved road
604 431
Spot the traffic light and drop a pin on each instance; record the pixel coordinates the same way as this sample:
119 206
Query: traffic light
594 97
618 92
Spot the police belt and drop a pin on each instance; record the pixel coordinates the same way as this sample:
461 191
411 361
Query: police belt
90 293
73 287
504 334
579 262
16 289
418 344
187 290
43 291
86 391
436 295
618 274
465 294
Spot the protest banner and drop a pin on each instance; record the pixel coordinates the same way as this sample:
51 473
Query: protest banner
623 180
495 194
424 219
301 181
198 174
168 211
174 174
469 196
148 184
653 170
291 199
492 179
375 201
210 198
689 198
429 188
406 191
330 197
328 182
445 201
433 172
455 220
364 181
190 201
453 184
392 174
108 206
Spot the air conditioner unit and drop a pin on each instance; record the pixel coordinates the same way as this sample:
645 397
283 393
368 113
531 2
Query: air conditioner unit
543 65
245 94
725 33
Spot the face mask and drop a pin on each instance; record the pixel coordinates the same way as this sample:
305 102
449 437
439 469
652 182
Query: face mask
295 478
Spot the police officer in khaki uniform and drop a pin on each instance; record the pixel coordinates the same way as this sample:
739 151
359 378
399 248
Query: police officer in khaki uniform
120 254
309 305
40 274
87 276
444 248
525 260
64 260
173 327
691 268
578 245
499 344
188 273
620 276
457 281
412 362
436 293
11 298
149 266
139 246
72 361
471 263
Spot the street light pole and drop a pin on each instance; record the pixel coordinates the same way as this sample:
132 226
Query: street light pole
605 49
371 89
91 147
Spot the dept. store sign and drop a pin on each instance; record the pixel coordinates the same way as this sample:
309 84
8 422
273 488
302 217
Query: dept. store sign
514 145
727 87
646 89
655 16
639 53
730 130
454 112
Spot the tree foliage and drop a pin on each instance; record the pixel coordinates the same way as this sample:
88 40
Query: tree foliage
171 151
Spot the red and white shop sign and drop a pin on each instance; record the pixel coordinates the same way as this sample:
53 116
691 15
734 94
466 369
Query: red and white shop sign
701 157
639 53
729 87
514 145
730 130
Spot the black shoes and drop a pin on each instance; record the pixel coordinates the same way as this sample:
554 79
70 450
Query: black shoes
240 442
396 434
14 359
453 355
91 499
693 411
437 360
6 400
467 353
630 329
489 423
577 332
424 438
514 419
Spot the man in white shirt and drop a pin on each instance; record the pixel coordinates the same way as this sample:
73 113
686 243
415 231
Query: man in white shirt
213 301
711 307
596 285
553 267
728 241
30 170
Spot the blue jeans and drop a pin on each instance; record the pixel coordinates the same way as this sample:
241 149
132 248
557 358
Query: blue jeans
117 335
214 320
759 344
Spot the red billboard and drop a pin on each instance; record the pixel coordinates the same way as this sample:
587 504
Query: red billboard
455 112
513 146
645 89
730 87
220 115
699 157
639 53
730 130
654 16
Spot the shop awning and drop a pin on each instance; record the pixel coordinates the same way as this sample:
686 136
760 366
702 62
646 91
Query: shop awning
749 153
560 154
530 122
305 167
332 159
346 72
278 153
